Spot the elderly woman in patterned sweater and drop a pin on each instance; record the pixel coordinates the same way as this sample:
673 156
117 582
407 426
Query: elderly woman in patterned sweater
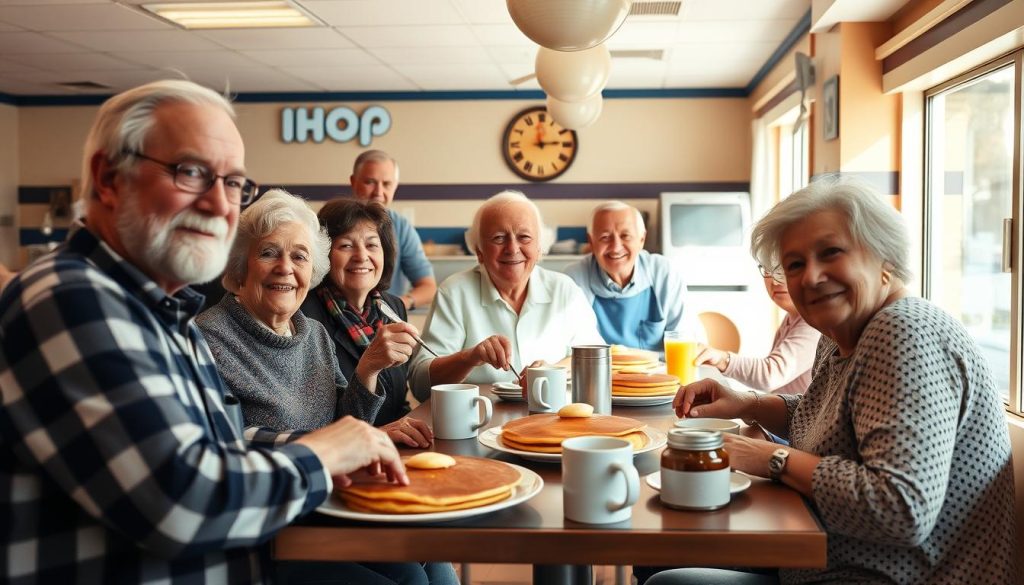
900 442
282 366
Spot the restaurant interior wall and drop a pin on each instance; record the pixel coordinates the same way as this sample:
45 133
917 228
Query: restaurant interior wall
696 143
8 184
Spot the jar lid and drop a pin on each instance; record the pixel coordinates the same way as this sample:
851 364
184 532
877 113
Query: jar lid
694 440
591 351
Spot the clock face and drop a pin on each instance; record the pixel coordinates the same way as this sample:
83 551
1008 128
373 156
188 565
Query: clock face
536 147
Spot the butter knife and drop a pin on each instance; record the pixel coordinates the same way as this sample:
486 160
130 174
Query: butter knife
394 318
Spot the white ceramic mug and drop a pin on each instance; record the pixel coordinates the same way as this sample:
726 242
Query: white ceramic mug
455 410
599 483
722 425
546 390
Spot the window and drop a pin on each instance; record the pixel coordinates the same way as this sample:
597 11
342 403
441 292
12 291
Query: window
971 142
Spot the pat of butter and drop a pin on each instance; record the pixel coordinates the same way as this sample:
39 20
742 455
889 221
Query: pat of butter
576 410
430 460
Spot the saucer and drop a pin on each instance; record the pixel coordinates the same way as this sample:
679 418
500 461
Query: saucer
738 482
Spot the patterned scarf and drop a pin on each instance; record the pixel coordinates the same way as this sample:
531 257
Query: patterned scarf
361 326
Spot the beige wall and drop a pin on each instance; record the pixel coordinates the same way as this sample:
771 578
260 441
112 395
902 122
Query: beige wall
635 140
8 184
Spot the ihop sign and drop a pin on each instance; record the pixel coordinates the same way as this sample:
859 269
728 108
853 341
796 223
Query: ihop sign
340 124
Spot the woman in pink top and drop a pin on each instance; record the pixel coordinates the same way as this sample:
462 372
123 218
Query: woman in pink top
787 368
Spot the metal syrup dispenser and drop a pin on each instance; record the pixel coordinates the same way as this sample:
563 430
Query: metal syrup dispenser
592 376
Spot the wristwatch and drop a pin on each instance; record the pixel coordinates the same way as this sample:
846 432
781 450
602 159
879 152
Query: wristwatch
776 464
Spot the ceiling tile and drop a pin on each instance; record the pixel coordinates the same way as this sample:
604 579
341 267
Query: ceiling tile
719 79
39 2
355 78
18 87
735 31
483 11
410 36
513 55
345 13
18 43
260 80
152 40
74 17
646 34
313 58
282 38
7 66
74 62
429 55
501 35
187 59
743 9
441 77
4 27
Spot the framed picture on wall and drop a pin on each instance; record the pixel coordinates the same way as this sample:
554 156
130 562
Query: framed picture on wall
830 105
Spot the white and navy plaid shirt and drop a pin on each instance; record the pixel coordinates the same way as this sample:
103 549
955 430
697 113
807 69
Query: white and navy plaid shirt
119 461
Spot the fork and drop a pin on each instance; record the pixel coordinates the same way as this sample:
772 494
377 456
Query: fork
394 318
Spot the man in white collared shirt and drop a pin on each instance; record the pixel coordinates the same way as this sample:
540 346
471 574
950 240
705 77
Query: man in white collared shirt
506 313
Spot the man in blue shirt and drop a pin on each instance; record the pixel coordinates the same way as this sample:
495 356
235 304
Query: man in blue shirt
375 178
122 458
637 296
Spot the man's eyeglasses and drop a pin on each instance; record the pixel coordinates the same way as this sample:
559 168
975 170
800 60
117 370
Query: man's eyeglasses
193 177
772 273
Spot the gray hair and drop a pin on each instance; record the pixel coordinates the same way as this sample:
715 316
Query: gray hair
504 198
374 156
873 222
125 120
616 206
275 208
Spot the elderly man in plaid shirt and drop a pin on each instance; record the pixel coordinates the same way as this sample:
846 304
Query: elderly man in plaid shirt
122 459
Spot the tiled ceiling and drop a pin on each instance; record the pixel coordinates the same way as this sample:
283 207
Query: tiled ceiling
371 45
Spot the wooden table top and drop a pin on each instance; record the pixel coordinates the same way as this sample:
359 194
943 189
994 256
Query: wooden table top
766 526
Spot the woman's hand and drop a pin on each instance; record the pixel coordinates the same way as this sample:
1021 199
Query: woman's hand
409 431
495 351
392 346
749 455
711 356
707 398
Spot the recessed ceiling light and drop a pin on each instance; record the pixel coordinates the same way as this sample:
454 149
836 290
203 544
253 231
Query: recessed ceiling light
256 14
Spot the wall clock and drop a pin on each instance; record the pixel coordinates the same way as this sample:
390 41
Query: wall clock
536 147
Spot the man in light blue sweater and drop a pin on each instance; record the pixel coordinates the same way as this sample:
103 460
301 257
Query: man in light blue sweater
637 296
375 178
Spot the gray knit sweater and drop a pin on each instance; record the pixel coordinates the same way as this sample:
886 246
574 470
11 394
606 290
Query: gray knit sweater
285 384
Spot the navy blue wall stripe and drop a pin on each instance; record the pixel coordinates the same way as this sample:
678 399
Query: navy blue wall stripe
415 192
802 27
41 194
958 21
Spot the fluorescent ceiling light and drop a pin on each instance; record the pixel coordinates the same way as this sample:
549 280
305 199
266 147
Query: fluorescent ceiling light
256 14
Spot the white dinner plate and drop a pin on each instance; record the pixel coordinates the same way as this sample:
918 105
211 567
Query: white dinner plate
641 400
530 486
492 438
738 482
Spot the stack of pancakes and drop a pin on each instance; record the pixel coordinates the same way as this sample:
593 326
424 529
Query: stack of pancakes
625 384
544 433
625 359
472 482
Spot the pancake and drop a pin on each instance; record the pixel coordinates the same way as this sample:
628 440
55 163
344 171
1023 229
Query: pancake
638 440
545 432
644 384
470 483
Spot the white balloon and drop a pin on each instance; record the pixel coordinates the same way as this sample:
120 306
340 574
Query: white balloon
568 25
575 76
576 115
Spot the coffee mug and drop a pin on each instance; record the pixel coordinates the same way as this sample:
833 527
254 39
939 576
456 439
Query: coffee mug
545 388
599 483
709 424
454 408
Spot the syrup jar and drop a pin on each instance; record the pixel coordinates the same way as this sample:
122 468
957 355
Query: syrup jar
695 470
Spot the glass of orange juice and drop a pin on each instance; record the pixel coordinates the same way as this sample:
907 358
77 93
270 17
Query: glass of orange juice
680 351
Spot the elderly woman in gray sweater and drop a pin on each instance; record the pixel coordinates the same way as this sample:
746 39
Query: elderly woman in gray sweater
900 442
282 367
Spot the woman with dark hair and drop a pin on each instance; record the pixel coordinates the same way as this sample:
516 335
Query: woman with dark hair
376 354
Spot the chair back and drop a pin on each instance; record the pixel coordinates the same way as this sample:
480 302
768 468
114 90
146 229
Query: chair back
722 332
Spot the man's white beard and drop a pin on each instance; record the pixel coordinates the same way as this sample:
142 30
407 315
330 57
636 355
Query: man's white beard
179 256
